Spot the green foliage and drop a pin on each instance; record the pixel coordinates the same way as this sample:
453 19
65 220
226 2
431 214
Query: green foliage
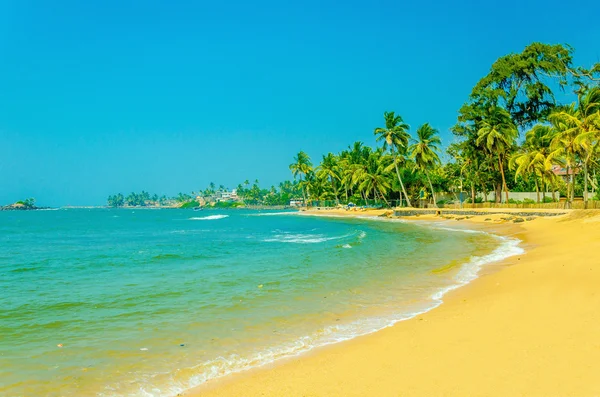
27 203
228 204
518 82
190 204
116 200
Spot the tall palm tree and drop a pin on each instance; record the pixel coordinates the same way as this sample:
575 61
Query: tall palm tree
497 133
395 137
424 152
565 146
301 166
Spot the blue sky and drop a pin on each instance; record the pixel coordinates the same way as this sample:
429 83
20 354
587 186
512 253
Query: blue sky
120 96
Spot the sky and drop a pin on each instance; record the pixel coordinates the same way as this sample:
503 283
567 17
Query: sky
118 96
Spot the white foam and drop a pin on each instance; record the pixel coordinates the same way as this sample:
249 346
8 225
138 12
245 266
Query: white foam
208 218
229 364
302 238
275 213
470 270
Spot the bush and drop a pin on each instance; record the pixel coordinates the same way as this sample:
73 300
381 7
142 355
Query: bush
513 201
228 204
528 201
548 199
190 204
477 200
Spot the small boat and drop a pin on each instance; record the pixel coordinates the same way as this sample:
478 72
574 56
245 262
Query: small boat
197 208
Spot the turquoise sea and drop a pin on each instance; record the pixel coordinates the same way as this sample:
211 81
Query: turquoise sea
132 302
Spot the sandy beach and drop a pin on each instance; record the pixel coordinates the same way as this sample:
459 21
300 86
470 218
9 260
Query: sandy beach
528 326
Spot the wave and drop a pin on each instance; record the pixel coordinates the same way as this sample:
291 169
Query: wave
300 238
470 270
208 218
275 213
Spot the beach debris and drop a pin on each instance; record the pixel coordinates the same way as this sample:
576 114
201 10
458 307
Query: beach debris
144 349
460 219
488 219
59 345
518 220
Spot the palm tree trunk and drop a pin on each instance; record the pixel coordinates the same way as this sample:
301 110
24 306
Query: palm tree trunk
568 191
585 185
473 195
594 187
537 188
400 180
303 193
432 192
503 178
335 192
383 198
544 188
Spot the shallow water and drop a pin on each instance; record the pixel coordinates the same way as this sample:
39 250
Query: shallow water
152 302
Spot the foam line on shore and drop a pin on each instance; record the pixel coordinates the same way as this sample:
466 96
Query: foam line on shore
332 334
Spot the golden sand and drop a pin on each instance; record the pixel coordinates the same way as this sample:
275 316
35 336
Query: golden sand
530 329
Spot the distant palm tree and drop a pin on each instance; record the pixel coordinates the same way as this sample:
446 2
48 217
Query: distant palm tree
301 166
424 152
497 134
395 137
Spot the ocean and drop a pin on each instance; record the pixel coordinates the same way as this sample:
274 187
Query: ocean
143 302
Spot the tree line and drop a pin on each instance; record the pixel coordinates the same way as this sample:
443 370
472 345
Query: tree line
512 134
246 194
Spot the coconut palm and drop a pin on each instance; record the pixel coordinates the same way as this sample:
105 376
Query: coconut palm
424 152
533 157
395 137
497 133
328 169
301 166
565 147
583 127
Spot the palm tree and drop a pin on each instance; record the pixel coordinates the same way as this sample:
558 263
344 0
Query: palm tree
395 137
583 128
424 152
373 177
328 169
497 133
301 166
534 157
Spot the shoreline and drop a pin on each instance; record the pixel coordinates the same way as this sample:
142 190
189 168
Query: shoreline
467 272
282 376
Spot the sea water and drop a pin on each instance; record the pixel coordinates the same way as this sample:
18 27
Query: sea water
140 302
